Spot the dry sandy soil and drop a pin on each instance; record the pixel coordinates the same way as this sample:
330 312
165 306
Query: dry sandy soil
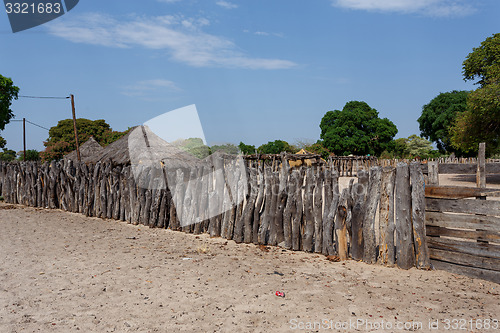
63 272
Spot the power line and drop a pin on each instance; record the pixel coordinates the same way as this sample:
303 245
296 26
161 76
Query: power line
37 125
32 123
43 97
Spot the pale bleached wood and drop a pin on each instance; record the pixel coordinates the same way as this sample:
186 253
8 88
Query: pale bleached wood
372 200
405 253
359 195
386 217
308 234
422 259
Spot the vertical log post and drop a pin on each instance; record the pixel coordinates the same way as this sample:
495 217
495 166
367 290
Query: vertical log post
359 196
418 216
404 233
433 171
386 217
307 237
481 166
373 197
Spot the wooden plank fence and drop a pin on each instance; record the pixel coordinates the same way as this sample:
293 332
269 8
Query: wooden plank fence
463 230
295 208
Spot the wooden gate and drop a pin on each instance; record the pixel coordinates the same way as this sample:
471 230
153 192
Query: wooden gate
463 230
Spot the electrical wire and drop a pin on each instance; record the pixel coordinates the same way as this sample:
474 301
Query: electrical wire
43 97
31 123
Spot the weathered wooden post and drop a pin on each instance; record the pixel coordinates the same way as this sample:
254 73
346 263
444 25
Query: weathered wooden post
405 253
481 166
307 237
373 197
386 217
340 225
433 172
317 212
418 216
359 196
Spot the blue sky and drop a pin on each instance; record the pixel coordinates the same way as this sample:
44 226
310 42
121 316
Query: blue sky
257 70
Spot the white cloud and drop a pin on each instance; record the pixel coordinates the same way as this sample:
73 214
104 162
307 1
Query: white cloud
226 4
149 88
181 38
439 8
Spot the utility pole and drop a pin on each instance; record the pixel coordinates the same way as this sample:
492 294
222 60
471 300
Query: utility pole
74 126
24 139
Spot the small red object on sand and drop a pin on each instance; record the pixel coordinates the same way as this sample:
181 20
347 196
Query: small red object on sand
280 294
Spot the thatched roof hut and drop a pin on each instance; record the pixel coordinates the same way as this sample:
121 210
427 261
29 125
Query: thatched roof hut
88 151
141 145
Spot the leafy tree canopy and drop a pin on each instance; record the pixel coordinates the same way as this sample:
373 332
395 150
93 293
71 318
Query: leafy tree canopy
481 121
318 148
3 142
246 149
194 146
7 155
275 147
357 130
8 92
227 148
411 147
31 155
484 62
439 116
62 137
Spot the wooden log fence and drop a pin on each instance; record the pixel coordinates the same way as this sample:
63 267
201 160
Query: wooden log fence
300 209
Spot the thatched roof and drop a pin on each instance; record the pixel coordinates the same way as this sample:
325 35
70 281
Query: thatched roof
88 151
141 145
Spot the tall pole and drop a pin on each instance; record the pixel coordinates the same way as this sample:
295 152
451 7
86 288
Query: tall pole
74 126
24 139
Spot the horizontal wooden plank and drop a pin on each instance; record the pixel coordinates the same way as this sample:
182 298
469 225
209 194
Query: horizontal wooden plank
471 168
447 220
465 259
457 168
459 192
479 273
473 248
492 168
468 206
482 235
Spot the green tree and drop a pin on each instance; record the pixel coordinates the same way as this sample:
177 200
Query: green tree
481 121
8 92
439 116
318 148
227 148
275 147
412 147
31 155
7 155
194 146
357 129
246 149
62 137
483 62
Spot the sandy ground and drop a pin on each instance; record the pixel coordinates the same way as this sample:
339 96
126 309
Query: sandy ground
63 272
